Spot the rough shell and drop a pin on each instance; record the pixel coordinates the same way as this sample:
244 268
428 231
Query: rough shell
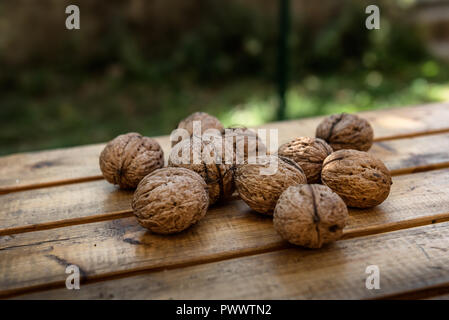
361 180
346 131
310 215
208 162
207 122
245 144
261 191
309 153
170 200
130 157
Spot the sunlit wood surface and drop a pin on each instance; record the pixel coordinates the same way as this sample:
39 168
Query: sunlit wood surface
56 210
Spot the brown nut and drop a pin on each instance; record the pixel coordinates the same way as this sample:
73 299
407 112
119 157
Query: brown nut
360 179
346 131
130 157
309 153
207 161
245 144
170 200
207 122
260 190
310 215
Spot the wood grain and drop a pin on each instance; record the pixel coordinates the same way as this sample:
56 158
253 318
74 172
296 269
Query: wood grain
408 260
61 206
388 124
39 169
34 170
415 199
37 260
440 297
72 204
413 154
106 249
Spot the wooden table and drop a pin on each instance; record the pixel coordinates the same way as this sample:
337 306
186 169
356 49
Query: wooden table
56 210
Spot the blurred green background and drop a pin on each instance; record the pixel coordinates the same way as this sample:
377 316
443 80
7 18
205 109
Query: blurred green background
141 65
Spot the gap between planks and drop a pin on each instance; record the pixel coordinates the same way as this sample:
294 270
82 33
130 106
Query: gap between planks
357 232
282 246
431 292
129 213
350 234
49 184
100 177
275 246
412 135
67 222
10 189
144 270
415 275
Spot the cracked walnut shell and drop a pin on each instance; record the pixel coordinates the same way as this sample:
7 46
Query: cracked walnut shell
170 200
261 191
206 160
346 131
360 179
309 153
128 158
310 215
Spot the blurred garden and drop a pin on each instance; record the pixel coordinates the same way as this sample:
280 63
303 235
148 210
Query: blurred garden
143 65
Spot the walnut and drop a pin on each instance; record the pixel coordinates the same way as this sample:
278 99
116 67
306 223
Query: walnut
261 190
206 160
346 131
130 157
170 200
310 215
245 142
309 153
360 179
207 122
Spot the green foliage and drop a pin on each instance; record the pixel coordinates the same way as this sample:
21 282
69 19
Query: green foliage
129 77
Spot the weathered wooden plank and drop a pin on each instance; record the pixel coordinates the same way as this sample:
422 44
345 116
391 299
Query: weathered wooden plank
56 167
413 154
415 199
61 206
440 297
408 260
388 124
94 201
104 249
117 246
40 169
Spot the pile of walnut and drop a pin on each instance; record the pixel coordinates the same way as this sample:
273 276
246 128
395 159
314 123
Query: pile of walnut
308 195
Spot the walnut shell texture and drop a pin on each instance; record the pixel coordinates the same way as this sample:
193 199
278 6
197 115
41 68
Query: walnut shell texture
169 200
207 122
309 153
245 142
211 167
346 131
261 191
360 179
310 215
128 158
